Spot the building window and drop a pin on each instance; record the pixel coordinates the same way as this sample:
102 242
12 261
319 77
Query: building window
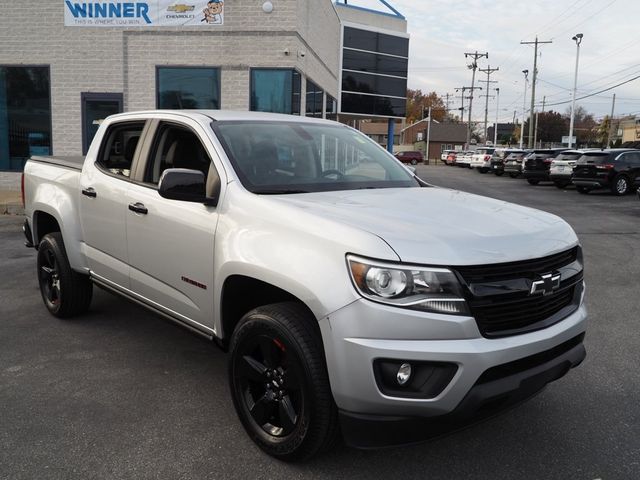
188 87
25 115
314 100
275 90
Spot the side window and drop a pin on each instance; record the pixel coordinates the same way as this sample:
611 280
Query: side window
119 146
632 159
176 146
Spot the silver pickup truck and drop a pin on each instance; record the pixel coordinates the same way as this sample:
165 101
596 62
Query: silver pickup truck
353 297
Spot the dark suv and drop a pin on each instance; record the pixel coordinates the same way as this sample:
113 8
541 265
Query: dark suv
410 157
617 169
536 165
512 163
496 165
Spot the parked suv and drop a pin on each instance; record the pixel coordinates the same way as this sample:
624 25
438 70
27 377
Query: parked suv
451 158
496 164
536 165
481 158
561 168
617 169
513 163
463 159
445 154
410 157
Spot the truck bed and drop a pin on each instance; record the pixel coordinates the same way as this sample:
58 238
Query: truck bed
74 163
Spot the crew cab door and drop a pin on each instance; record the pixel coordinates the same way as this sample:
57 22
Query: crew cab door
104 183
170 242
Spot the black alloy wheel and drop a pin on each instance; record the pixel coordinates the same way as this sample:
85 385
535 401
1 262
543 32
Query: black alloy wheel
65 292
49 278
279 382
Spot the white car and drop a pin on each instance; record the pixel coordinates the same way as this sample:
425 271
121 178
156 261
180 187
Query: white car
464 159
481 159
561 168
445 154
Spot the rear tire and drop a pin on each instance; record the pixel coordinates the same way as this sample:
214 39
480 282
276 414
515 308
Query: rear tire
65 292
533 181
583 190
414 162
620 185
279 382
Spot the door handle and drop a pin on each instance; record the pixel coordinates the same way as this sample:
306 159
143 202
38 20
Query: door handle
138 208
89 192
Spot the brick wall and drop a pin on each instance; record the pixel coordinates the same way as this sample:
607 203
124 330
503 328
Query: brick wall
123 60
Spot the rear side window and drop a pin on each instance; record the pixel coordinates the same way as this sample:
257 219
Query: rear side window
119 147
631 158
596 158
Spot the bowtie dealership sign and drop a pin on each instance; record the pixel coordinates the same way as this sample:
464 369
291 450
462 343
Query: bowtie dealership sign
150 13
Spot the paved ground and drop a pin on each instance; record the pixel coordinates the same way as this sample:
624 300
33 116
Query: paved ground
123 394
10 201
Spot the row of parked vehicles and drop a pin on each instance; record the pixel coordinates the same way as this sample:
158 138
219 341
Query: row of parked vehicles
616 169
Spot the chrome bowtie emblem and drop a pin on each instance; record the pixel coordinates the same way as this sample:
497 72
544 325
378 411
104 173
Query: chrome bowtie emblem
547 284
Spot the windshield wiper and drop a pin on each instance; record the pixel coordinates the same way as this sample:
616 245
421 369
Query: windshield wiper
275 191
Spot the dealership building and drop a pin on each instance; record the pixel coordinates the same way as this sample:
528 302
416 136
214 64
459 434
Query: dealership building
67 64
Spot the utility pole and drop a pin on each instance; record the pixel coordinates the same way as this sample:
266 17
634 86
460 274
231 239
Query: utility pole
613 106
495 125
447 104
535 133
474 67
524 106
488 81
464 89
428 136
578 39
533 83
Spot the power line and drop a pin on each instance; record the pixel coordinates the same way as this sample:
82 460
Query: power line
598 92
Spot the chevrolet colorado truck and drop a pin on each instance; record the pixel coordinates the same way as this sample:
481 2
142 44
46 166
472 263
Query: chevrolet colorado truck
353 298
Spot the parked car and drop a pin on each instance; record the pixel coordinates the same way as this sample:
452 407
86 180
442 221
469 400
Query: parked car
463 159
445 154
496 164
413 158
535 166
513 163
451 158
342 310
561 168
481 158
617 169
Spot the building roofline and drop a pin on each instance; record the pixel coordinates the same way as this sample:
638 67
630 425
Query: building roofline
395 14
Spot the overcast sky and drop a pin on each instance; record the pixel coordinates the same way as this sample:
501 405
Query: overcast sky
443 30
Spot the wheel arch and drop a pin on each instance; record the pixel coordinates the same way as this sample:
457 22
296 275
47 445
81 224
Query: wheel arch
241 294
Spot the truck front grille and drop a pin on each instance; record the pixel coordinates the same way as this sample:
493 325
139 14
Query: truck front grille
519 311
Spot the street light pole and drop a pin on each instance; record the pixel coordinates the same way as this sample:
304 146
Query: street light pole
524 106
495 125
578 39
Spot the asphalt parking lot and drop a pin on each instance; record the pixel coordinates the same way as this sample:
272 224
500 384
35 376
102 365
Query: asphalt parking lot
120 393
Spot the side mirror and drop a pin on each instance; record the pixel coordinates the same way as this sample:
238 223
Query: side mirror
183 184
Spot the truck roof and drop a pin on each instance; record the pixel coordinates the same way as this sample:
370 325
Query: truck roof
232 115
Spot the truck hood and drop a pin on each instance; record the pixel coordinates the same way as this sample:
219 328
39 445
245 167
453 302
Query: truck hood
439 226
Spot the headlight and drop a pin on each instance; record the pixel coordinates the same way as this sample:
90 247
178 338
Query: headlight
418 288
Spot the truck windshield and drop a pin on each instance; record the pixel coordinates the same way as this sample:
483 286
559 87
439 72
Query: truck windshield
293 157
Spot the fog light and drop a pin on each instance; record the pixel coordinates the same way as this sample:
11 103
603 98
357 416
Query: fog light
404 373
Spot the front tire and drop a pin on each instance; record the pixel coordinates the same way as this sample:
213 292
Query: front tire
65 292
279 382
414 162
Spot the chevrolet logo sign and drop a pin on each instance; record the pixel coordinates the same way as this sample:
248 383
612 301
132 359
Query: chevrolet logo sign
181 8
547 284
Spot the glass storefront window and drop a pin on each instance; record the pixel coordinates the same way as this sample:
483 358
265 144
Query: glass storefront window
332 108
314 99
275 90
25 115
188 87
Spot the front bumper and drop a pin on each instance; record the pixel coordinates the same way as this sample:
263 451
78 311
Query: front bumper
362 332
